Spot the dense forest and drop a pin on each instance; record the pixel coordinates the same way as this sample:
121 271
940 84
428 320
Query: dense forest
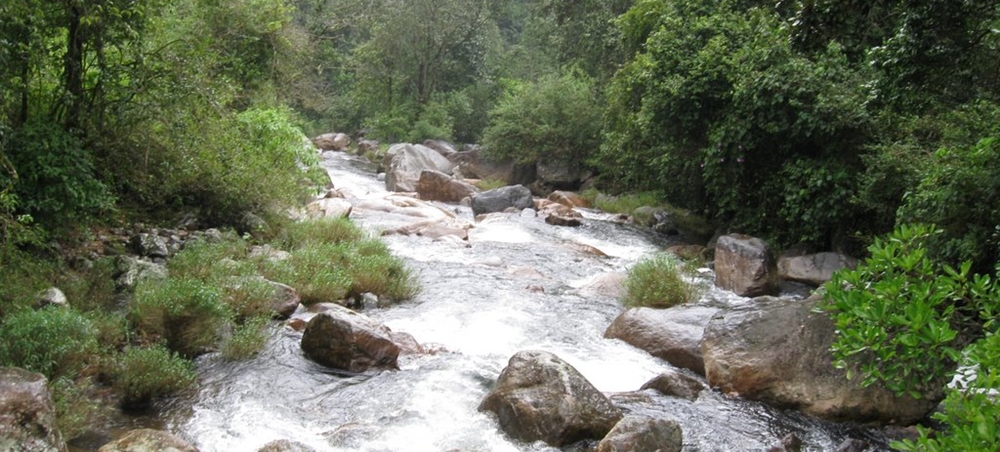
818 123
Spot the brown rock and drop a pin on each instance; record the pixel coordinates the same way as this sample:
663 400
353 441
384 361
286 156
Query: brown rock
671 334
676 384
642 434
540 397
437 186
148 440
27 416
745 265
568 199
332 141
344 339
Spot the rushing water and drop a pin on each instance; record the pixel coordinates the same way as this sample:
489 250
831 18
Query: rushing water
515 285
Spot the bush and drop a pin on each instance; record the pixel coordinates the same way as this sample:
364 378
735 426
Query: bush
143 374
318 272
53 341
626 203
302 234
555 119
185 314
383 275
658 282
902 319
76 411
207 261
249 297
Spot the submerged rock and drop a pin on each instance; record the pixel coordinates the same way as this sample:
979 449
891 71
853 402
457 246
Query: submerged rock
27 416
671 334
148 440
540 397
777 351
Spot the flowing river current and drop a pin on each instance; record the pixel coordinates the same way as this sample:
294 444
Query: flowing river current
517 284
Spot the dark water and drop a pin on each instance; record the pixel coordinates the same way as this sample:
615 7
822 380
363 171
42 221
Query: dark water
517 284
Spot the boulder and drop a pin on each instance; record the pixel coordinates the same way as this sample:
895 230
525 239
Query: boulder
437 186
568 199
474 166
556 219
777 351
643 434
343 339
540 397
329 208
51 297
332 141
557 175
442 147
149 245
676 384
608 285
405 162
813 269
745 265
366 146
27 416
671 334
148 440
129 271
503 198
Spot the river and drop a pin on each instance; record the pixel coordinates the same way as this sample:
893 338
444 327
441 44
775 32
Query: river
515 285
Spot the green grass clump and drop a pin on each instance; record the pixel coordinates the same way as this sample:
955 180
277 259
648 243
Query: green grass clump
76 411
21 277
209 261
185 314
249 297
318 273
52 341
383 275
658 282
303 234
247 339
145 373
490 184
623 203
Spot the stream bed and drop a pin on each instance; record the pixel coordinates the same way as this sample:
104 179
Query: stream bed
516 284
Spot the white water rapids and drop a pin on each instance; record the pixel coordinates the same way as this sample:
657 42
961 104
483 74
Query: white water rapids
515 286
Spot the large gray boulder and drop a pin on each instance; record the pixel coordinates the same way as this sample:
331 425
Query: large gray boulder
149 245
442 147
671 334
473 165
437 186
332 141
405 162
540 397
344 339
129 271
643 434
27 416
814 269
746 266
777 351
148 440
51 297
557 175
503 198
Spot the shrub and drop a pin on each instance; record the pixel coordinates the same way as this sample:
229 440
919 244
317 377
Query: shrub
207 261
186 314
23 276
383 275
658 282
626 203
249 297
143 374
301 234
76 411
902 319
52 341
316 272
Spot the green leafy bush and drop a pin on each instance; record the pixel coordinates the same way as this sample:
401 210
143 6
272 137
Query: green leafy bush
658 282
902 319
556 119
52 341
145 373
185 314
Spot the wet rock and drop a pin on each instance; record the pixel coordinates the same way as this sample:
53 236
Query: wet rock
51 297
643 434
442 147
405 162
777 351
129 271
329 208
344 339
607 285
813 269
434 229
27 416
437 186
501 199
148 440
564 220
853 445
745 265
284 445
405 206
540 397
671 334
149 245
676 384
568 199
284 300
332 141
790 443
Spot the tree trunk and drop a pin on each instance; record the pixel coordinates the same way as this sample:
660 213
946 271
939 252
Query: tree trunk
74 67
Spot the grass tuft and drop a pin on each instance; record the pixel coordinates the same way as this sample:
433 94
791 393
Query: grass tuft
146 373
658 282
